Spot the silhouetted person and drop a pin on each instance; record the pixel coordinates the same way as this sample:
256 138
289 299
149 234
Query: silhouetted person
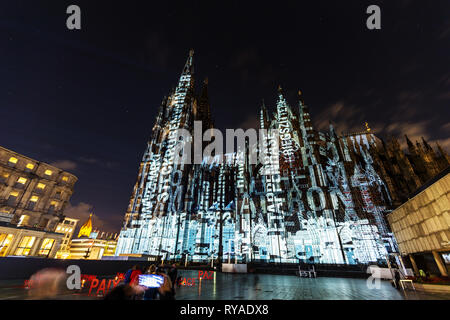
151 293
173 275
397 279
121 292
134 277
166 291
134 281
128 274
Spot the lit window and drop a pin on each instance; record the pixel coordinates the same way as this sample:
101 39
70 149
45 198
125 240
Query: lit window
40 186
48 172
47 245
22 180
25 245
34 198
23 220
13 160
65 179
14 194
53 203
5 241
30 166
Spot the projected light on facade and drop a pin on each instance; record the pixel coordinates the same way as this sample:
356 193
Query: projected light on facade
316 198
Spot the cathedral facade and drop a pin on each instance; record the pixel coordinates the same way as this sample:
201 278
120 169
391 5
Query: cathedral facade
319 197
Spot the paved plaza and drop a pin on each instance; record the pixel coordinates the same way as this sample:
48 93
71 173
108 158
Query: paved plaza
223 286
282 287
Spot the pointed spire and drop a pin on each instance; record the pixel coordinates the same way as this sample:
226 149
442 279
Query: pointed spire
411 147
333 134
264 116
299 92
204 106
441 151
280 91
394 142
280 95
407 140
86 228
427 146
189 66
418 145
204 92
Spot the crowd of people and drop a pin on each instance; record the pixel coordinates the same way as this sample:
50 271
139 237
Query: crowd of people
130 289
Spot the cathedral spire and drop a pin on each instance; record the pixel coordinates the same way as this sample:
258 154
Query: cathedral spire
204 106
427 146
264 116
189 66
411 147
441 151
333 134
300 99
186 78
280 93
445 159
419 146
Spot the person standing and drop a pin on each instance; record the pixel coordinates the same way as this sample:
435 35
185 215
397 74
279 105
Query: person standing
151 293
166 291
134 282
128 274
134 277
397 279
173 275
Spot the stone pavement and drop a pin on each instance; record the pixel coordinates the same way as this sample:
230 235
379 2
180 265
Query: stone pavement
224 286
282 287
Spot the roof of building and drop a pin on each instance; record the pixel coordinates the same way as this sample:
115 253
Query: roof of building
86 228
38 162
437 177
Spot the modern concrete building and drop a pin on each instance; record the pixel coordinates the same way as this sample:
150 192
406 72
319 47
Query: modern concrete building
422 226
33 196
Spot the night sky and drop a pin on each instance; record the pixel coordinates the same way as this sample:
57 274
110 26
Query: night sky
86 100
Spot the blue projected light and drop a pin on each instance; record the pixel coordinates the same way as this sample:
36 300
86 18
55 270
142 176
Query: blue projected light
317 198
151 280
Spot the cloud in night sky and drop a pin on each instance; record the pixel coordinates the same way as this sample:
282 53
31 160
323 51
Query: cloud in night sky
88 160
82 211
64 164
348 118
345 118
